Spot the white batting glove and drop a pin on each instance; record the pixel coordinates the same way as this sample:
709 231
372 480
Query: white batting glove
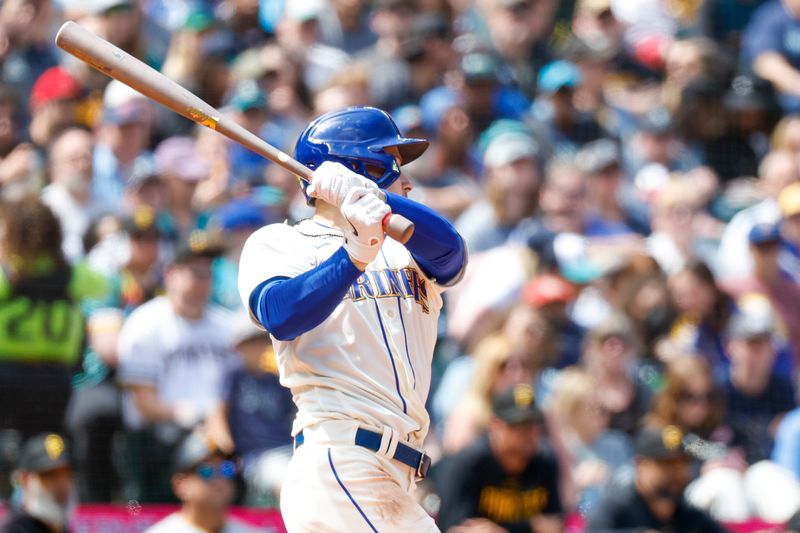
332 181
363 231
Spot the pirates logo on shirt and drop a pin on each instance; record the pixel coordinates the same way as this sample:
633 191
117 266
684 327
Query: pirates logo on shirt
523 395
54 446
672 437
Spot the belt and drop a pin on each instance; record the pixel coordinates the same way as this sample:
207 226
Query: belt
419 461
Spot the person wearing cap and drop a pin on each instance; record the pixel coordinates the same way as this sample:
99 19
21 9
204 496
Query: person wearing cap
391 21
503 479
601 163
517 35
654 501
551 294
182 169
236 220
298 34
255 416
203 480
770 280
173 351
69 191
756 395
566 127
53 104
486 98
778 169
43 474
512 176
122 136
248 106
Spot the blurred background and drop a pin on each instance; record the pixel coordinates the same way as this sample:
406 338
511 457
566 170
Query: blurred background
625 173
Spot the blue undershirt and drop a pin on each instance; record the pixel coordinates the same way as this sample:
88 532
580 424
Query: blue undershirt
288 307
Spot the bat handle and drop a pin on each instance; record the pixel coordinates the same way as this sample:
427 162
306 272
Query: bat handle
398 227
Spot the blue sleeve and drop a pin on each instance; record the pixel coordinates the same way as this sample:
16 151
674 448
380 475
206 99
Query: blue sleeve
764 33
435 245
288 307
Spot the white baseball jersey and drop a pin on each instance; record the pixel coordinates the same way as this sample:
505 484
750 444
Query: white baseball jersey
370 360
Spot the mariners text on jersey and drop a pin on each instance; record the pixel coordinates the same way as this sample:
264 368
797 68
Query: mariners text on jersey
391 283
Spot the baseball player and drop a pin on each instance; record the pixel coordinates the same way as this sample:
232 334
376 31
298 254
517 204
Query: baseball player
353 318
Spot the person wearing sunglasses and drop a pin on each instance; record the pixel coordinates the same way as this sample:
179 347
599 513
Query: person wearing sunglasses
204 480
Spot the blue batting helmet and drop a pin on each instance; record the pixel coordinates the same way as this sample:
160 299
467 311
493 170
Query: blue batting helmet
357 137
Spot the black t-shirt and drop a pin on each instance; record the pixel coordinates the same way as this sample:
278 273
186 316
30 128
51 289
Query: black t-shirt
624 511
751 416
24 523
472 484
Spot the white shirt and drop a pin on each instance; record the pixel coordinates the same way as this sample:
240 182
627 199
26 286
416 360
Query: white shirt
185 360
176 523
74 218
370 360
734 257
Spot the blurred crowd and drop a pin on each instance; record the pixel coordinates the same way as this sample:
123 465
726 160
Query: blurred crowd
625 173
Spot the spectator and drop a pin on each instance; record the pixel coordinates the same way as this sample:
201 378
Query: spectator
552 295
203 481
236 220
69 192
298 34
173 352
347 26
516 32
248 106
609 355
768 49
511 183
272 69
122 137
44 474
588 451
786 136
54 104
770 281
255 416
485 99
756 396
789 257
19 164
94 415
28 49
702 313
566 128
182 170
777 170
391 21
600 162
43 322
504 477
498 366
655 499
673 242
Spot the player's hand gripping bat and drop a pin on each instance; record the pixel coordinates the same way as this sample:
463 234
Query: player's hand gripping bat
121 66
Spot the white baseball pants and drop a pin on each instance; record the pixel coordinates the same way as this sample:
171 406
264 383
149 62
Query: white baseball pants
334 486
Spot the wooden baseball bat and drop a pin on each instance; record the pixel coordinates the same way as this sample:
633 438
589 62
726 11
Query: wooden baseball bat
120 65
